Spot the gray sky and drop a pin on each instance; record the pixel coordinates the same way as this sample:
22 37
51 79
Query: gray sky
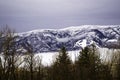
25 15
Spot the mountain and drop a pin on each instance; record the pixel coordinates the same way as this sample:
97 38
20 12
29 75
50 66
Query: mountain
73 38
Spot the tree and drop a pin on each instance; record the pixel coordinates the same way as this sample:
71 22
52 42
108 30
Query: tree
88 65
61 69
30 61
39 68
115 67
9 53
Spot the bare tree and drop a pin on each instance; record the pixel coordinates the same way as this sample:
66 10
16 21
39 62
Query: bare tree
30 61
39 68
9 54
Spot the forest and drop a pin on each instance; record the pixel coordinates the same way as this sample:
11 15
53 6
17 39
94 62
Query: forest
88 65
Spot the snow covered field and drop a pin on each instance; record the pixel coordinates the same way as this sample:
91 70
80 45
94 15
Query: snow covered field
49 57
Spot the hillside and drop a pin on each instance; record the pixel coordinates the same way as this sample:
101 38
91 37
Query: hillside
73 38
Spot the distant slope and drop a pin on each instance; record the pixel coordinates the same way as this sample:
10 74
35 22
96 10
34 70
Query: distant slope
73 38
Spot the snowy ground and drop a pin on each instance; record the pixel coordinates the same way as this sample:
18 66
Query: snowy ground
49 57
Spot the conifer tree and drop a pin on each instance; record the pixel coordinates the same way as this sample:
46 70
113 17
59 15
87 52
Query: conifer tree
88 65
62 66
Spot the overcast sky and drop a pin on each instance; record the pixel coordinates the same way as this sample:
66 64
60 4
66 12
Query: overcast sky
25 15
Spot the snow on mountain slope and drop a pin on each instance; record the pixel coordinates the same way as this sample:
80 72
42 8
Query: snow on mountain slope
73 38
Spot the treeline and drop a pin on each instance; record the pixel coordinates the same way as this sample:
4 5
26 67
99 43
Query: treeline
18 64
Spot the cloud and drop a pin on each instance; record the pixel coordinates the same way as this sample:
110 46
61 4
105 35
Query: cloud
50 13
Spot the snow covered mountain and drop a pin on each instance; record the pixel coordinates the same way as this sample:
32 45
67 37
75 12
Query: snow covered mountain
73 38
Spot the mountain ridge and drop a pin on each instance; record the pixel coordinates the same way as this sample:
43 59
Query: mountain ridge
73 38
69 27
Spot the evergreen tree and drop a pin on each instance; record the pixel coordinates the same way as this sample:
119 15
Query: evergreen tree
61 69
88 65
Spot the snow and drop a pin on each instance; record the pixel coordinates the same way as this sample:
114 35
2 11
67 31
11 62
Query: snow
112 40
47 35
105 54
72 29
49 57
62 39
82 43
74 37
80 35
